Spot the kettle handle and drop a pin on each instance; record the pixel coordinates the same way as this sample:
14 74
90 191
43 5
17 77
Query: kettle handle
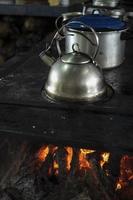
80 33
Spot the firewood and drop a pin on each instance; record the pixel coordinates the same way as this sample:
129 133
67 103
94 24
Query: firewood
60 158
98 181
114 164
126 193
25 177
75 162
47 165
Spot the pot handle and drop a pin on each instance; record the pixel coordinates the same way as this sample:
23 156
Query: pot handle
57 21
80 33
128 35
84 10
65 17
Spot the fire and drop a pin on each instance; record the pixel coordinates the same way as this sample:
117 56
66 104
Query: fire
87 151
43 152
105 158
56 167
53 149
126 171
49 154
118 186
83 162
69 157
47 150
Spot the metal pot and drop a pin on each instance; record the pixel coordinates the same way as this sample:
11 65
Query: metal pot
119 13
111 51
106 3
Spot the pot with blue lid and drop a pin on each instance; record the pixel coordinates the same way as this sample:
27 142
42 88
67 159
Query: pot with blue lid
112 35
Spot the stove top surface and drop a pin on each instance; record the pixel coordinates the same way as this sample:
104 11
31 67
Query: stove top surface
104 125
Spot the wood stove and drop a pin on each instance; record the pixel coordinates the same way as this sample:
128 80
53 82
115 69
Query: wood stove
38 136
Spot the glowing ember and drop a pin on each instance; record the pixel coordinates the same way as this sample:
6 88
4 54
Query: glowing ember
105 159
118 186
69 157
53 149
83 162
86 151
43 152
126 171
56 167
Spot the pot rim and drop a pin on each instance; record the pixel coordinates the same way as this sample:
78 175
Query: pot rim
103 32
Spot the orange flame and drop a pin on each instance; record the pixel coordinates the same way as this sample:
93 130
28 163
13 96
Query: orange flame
56 167
83 162
53 149
105 158
69 157
42 153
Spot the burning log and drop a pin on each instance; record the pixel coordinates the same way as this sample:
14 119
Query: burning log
60 162
74 162
97 180
55 173
114 164
47 167
127 192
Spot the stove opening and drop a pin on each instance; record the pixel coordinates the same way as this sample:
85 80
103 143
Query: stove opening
37 171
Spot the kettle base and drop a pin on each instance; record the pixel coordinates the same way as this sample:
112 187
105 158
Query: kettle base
106 96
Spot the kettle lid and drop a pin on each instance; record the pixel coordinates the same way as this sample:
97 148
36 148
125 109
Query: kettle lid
75 57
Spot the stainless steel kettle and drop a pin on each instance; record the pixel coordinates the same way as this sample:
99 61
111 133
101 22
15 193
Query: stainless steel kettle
74 76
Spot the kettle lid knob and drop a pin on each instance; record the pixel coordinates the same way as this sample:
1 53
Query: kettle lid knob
76 57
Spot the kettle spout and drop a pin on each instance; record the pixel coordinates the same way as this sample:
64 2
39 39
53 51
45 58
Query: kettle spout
47 59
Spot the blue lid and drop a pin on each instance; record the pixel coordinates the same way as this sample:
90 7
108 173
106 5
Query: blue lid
98 22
